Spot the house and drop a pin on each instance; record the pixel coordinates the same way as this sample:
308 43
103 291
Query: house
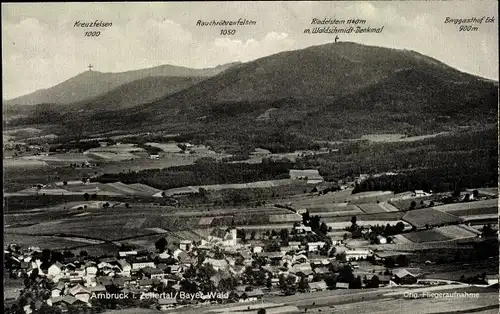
217 264
311 176
121 282
154 156
57 290
404 277
98 290
315 246
136 265
302 229
299 259
145 283
254 295
276 256
257 249
342 285
153 272
318 286
294 245
303 270
104 281
166 304
382 279
381 239
80 293
357 254
127 253
185 245
492 279
225 237
421 193
321 270
90 269
125 267
55 269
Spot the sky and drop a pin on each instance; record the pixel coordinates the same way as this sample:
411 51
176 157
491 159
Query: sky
41 47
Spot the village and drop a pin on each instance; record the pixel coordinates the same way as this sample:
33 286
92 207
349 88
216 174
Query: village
221 269
229 266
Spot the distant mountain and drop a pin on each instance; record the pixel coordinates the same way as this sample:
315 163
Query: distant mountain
91 84
336 90
137 92
330 70
329 78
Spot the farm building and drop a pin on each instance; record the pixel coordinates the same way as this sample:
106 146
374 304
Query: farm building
404 277
318 286
427 217
421 193
315 246
342 285
166 304
225 237
312 176
356 254
381 239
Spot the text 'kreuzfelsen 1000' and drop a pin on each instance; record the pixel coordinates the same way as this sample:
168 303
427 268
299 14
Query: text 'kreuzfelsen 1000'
93 24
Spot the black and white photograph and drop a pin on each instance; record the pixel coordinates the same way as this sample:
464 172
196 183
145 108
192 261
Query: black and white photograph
250 157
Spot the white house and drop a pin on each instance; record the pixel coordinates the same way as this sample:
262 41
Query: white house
381 239
185 245
125 267
421 193
356 254
303 229
57 291
90 270
217 264
166 304
55 269
141 264
80 293
224 237
315 246
257 249
127 253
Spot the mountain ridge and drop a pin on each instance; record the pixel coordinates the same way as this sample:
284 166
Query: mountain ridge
90 84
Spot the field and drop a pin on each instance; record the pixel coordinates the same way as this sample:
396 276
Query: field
118 148
219 187
464 213
397 137
404 204
341 225
166 147
372 208
65 227
458 231
61 158
340 209
426 236
23 163
429 216
452 208
79 188
444 233
112 156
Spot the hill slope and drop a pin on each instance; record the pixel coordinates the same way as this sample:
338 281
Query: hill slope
137 92
329 70
90 84
330 91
